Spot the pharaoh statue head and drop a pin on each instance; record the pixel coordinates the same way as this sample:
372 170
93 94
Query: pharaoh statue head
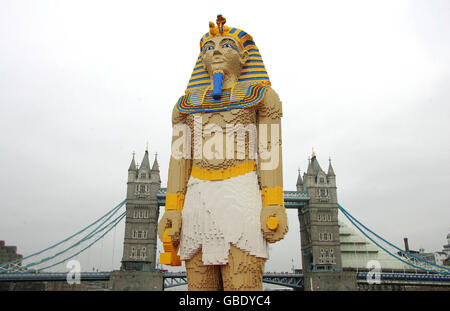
227 52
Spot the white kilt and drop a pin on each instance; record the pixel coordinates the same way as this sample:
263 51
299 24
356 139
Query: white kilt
219 213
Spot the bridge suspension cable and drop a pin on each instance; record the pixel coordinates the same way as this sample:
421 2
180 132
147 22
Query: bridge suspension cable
112 225
86 238
16 265
358 225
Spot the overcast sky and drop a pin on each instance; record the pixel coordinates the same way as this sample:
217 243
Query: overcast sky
83 84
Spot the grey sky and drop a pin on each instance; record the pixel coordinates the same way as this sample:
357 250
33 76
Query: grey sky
85 83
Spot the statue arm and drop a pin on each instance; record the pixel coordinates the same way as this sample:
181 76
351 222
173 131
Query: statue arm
180 159
179 171
270 168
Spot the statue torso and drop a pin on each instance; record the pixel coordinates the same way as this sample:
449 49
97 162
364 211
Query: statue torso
220 125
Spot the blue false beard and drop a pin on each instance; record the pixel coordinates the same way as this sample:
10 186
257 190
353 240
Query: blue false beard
217 83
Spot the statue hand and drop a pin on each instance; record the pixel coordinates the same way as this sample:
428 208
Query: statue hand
170 219
281 229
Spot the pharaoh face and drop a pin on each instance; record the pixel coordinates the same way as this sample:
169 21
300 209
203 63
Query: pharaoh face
223 53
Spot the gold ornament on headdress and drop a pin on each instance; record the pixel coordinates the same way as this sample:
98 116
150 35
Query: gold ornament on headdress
219 30
220 21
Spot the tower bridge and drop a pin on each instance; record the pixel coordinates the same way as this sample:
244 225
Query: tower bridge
334 256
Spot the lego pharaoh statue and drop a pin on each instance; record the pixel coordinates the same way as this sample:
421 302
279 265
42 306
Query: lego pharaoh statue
224 198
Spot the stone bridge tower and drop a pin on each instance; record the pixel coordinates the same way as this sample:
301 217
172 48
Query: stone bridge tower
319 232
319 229
140 240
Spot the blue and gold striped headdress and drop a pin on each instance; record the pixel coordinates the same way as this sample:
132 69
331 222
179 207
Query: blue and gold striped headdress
252 71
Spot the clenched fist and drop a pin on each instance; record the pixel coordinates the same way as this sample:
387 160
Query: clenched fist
279 213
170 219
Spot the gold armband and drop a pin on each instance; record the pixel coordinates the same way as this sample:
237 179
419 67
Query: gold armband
174 201
272 196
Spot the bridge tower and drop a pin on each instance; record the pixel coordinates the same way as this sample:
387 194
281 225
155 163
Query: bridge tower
140 240
319 229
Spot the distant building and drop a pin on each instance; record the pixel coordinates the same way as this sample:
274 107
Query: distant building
446 252
9 253
438 258
357 251
446 249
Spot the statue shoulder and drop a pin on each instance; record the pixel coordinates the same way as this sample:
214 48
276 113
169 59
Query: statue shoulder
271 105
177 116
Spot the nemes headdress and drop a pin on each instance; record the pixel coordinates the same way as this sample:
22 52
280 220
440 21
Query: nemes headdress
252 71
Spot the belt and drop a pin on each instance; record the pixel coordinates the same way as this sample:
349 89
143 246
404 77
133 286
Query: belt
229 172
